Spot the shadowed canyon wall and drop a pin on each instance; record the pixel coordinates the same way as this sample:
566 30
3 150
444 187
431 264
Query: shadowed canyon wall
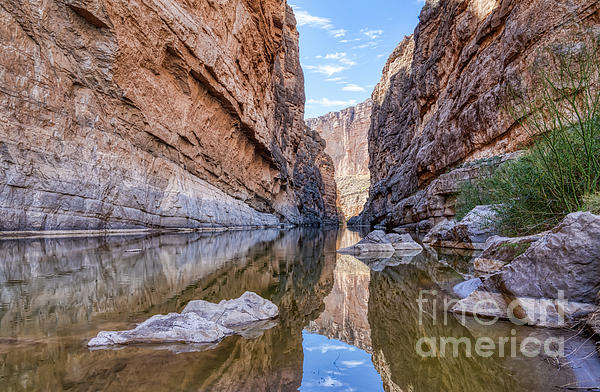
439 102
162 113
346 134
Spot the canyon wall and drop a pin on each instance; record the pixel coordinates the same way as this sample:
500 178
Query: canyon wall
346 135
437 113
151 114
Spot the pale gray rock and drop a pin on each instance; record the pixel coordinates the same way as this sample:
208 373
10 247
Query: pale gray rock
249 308
403 242
376 241
439 230
171 328
470 233
500 251
554 281
466 288
201 322
380 242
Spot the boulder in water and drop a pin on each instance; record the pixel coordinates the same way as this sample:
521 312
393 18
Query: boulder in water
247 309
201 322
380 242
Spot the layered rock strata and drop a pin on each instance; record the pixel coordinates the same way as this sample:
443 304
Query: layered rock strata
162 113
439 103
346 134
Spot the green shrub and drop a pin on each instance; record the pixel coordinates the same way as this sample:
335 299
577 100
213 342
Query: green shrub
562 116
592 203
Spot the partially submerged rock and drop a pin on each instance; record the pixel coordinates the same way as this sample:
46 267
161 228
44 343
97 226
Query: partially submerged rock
555 281
470 233
403 242
380 242
201 322
247 309
171 328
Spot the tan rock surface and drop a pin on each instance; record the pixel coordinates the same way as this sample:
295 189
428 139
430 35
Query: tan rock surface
161 113
439 101
346 134
345 316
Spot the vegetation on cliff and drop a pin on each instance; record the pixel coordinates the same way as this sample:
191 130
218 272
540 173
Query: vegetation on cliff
559 173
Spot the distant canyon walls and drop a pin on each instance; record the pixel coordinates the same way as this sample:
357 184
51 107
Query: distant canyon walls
438 104
346 135
162 113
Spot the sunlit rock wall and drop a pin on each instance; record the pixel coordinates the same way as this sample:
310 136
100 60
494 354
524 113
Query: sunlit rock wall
162 113
346 134
439 103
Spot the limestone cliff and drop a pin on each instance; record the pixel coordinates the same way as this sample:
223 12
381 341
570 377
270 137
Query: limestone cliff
439 102
161 113
346 134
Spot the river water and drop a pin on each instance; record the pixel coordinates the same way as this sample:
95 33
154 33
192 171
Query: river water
342 325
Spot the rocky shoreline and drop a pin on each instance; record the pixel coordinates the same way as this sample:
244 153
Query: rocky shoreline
551 279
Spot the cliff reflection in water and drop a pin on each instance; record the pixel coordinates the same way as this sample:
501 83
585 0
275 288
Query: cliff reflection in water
57 293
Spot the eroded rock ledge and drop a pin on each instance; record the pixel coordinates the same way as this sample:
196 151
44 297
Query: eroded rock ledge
133 114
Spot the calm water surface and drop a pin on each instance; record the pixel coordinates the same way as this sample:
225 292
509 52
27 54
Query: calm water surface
343 326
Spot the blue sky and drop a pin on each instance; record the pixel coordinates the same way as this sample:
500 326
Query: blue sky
344 45
335 366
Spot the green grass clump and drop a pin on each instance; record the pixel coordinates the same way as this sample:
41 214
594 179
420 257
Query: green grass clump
592 203
560 172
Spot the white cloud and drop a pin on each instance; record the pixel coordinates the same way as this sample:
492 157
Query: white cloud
353 88
370 44
352 364
330 69
303 18
331 382
326 102
341 57
326 69
335 56
372 34
336 79
339 33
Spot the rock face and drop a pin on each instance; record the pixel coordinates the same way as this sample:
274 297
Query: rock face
439 101
499 251
346 134
471 232
162 113
556 279
200 322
